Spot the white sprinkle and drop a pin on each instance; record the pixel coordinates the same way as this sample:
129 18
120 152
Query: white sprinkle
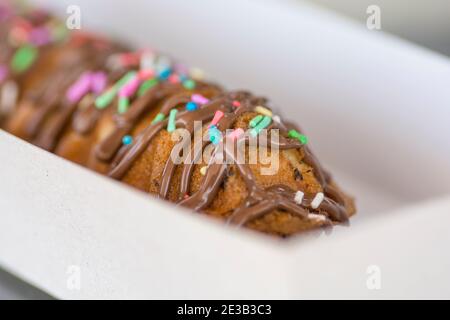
299 197
8 97
276 119
317 200
147 61
316 217
196 73
263 111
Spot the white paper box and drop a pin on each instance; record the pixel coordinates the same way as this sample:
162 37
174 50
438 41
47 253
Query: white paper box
376 110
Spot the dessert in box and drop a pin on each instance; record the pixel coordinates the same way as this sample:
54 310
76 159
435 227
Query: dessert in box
351 90
132 114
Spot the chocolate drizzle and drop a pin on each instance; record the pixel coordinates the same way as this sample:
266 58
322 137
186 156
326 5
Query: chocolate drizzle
259 201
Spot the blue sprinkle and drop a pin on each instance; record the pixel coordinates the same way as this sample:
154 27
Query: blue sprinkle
126 140
183 77
165 73
191 106
214 134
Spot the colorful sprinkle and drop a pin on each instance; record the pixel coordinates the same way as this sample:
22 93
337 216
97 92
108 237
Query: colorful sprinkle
183 77
174 78
263 111
165 73
106 98
189 84
214 134
236 104
198 98
147 60
123 105
191 106
58 32
128 89
317 200
129 59
146 74
180 68
127 140
264 123
294 134
299 197
80 88
159 117
23 58
40 36
197 74
217 116
147 85
171 124
254 122
203 170
236 134
98 82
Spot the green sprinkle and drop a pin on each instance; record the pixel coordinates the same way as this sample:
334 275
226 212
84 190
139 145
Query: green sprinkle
108 96
159 117
59 32
147 85
23 58
262 124
171 125
254 122
189 84
123 105
105 99
294 134
125 79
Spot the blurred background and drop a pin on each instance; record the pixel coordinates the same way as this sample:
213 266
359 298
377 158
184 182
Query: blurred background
426 22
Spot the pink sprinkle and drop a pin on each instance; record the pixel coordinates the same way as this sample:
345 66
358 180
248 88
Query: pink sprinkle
79 88
146 74
236 134
181 68
19 34
129 88
217 116
3 72
128 59
98 83
199 99
236 104
40 36
174 78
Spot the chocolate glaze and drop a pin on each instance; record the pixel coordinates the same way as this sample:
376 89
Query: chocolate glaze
259 201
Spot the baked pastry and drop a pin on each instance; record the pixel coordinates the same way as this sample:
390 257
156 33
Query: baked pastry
137 117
